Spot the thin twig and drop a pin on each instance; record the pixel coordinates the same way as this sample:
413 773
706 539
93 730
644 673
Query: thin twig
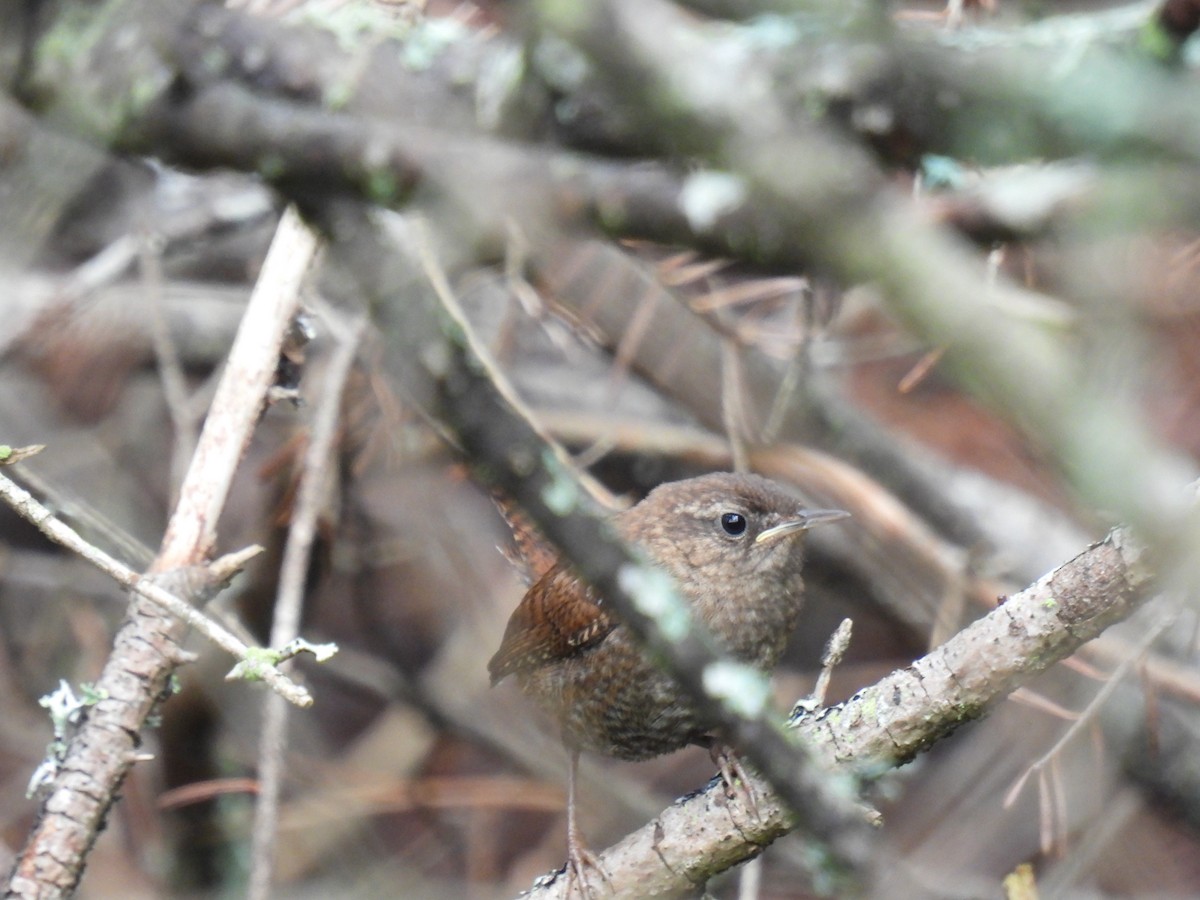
1093 706
146 647
103 268
750 882
93 526
289 602
250 370
28 507
733 411
835 651
170 371
445 293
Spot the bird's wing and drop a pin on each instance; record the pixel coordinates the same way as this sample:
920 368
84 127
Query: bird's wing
558 616
530 554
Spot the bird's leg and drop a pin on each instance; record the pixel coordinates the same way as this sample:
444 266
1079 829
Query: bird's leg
737 782
579 857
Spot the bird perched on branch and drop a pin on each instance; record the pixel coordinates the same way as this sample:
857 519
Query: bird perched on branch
733 544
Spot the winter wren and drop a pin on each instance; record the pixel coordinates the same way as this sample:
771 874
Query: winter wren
733 544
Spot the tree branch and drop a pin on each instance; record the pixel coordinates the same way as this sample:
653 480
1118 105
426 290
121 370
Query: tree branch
889 723
146 650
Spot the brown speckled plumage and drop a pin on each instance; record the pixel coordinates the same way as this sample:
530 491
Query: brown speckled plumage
581 665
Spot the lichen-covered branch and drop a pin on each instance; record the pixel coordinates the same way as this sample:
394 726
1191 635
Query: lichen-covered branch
890 722
146 650
436 361
29 508
836 208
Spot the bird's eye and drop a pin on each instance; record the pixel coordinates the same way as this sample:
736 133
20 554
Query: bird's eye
733 524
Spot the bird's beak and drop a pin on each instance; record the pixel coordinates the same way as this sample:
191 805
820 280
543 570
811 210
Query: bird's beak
806 520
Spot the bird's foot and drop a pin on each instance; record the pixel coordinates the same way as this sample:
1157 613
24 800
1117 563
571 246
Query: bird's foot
580 862
733 774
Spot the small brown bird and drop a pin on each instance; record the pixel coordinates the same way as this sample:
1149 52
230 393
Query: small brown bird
733 545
